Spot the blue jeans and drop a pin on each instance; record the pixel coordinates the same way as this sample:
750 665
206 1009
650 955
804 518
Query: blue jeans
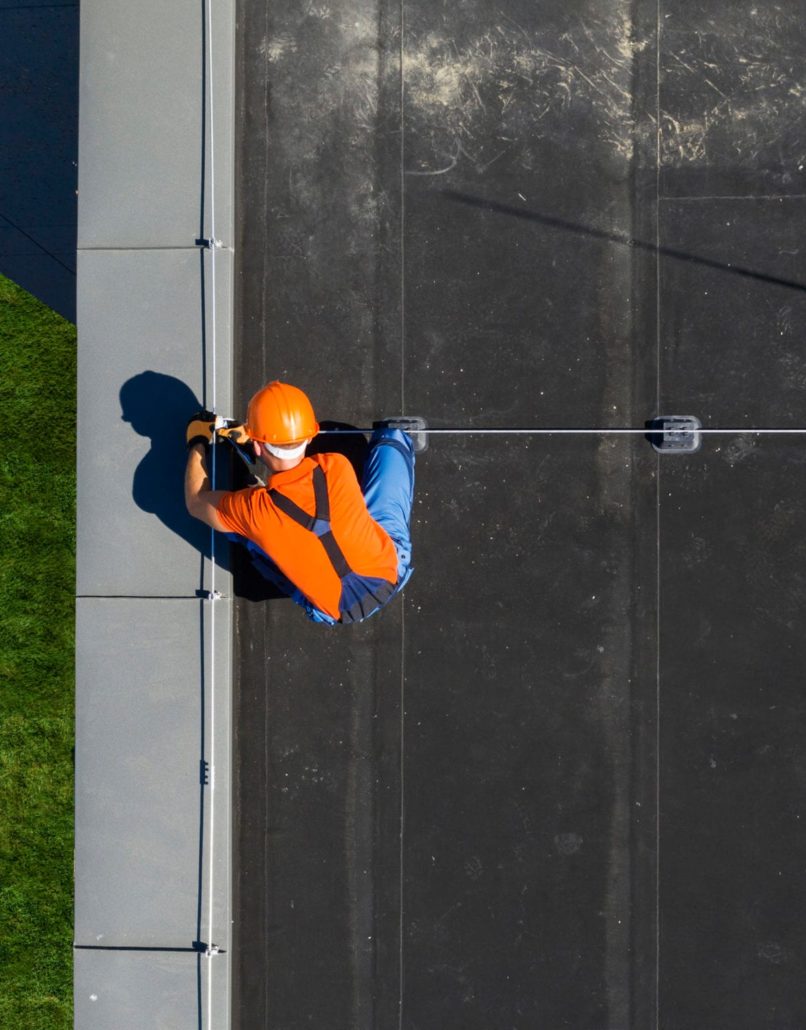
388 488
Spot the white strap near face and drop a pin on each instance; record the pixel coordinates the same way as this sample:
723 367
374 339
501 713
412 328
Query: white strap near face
287 453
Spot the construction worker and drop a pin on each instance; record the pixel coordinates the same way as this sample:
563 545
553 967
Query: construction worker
340 550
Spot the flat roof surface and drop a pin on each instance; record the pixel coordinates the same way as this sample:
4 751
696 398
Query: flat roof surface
558 783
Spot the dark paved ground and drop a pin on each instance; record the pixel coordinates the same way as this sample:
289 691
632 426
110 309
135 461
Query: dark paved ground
560 783
39 148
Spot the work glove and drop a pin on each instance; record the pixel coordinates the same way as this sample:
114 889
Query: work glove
200 428
203 424
234 432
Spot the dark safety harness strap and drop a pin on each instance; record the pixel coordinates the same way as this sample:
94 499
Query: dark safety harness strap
318 523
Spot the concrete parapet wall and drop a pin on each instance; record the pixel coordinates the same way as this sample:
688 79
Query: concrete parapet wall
153 856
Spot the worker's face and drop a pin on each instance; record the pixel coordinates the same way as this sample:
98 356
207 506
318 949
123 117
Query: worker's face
274 463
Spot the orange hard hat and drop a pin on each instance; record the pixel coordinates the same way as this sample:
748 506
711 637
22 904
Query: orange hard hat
280 414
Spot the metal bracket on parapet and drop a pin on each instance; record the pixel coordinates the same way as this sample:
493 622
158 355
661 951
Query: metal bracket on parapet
209 595
208 950
414 425
675 434
208 244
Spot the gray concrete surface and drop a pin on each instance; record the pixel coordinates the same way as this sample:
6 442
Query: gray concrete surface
153 852
144 128
148 988
145 319
144 730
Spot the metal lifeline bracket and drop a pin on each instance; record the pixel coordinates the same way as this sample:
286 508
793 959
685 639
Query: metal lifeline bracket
208 244
675 434
414 425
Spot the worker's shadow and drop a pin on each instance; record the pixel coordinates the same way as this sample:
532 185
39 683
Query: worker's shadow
158 406
353 445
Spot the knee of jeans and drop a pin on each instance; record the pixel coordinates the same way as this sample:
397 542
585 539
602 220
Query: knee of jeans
388 433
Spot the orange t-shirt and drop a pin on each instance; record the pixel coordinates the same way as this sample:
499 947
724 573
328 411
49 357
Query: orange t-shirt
297 552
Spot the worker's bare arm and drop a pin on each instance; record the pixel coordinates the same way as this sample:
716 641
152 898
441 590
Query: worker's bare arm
200 500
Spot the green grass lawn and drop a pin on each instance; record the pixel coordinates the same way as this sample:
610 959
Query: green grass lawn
37 573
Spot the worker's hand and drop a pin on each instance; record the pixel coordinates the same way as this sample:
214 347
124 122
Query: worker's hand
234 431
239 438
202 426
200 429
